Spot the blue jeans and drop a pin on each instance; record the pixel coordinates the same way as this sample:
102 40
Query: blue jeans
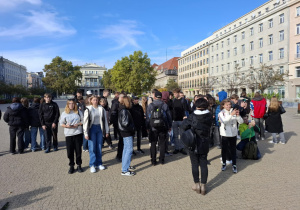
95 145
27 137
85 143
127 152
176 132
33 131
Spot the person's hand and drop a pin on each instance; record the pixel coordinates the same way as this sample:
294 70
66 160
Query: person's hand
44 127
237 112
184 117
107 135
233 112
252 123
53 125
86 137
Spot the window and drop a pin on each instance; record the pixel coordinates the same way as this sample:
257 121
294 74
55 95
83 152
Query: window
207 51
217 57
270 55
217 46
207 60
298 11
251 60
235 38
228 66
243 48
260 27
261 44
261 58
228 41
228 53
222 67
271 39
217 69
281 53
222 55
251 31
212 59
222 44
298 50
243 35
212 48
212 70
281 35
298 29
271 23
281 70
204 62
298 71
281 18
251 45
243 62
235 51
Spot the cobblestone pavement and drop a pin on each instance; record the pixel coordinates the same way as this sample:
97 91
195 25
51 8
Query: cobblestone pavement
41 181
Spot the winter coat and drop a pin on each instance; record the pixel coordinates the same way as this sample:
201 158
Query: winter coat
137 115
228 126
125 122
274 122
16 115
166 114
258 106
203 122
34 117
114 111
49 113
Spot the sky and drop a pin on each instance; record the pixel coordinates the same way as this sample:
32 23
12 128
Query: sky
33 32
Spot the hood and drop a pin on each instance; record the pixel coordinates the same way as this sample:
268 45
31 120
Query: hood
16 106
35 106
165 96
259 98
222 95
121 106
200 112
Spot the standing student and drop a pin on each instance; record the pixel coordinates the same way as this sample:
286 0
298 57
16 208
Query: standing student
115 109
151 98
49 115
229 118
138 119
103 103
95 126
114 114
258 106
144 106
72 120
126 127
27 134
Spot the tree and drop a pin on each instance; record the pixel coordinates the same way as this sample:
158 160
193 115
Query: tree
265 77
106 80
207 86
233 81
171 85
61 75
133 74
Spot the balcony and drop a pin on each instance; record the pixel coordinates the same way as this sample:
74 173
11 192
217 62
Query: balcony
171 72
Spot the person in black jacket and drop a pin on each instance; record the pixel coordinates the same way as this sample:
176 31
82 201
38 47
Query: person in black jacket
138 119
199 121
49 115
17 119
126 127
114 114
35 124
160 133
114 120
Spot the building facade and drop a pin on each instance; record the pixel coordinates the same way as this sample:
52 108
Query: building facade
167 70
12 73
265 36
34 79
92 75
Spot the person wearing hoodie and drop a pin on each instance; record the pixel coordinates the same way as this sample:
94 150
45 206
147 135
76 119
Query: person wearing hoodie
114 114
200 122
35 124
258 106
166 99
222 95
27 134
17 119
158 134
49 115
138 119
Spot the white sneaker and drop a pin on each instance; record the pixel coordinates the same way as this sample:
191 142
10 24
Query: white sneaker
149 144
282 142
272 142
172 145
101 167
93 169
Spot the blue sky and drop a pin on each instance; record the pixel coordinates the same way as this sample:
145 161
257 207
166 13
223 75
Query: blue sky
32 32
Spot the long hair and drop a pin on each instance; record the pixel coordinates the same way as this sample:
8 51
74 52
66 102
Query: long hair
274 104
25 102
144 103
126 101
227 100
91 97
67 109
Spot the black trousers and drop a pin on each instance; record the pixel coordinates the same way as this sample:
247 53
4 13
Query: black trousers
138 132
74 144
160 137
196 160
116 130
120 146
49 133
144 129
229 143
15 131
107 140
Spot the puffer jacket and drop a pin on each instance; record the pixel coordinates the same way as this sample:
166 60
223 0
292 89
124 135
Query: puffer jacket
16 115
33 112
228 126
125 122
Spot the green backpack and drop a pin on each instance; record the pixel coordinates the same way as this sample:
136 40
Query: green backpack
250 151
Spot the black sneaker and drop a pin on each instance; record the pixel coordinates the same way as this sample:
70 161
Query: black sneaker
154 163
133 152
183 152
223 167
140 151
55 149
131 167
128 173
79 169
234 169
175 151
71 170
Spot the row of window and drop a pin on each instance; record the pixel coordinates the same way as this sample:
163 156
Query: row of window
194 83
194 56
194 65
195 73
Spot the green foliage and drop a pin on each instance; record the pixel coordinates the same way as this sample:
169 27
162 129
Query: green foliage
133 74
61 75
171 85
270 95
106 80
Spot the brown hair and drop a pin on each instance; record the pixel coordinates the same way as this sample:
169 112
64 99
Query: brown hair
234 96
227 100
48 95
256 95
91 97
16 100
103 100
177 90
36 100
25 102
243 94
274 104
144 103
67 109
126 101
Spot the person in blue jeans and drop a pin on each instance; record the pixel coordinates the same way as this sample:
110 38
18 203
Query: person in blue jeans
27 134
94 126
127 129
35 124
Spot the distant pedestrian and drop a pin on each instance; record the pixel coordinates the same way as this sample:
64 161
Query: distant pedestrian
72 120
138 119
144 106
150 98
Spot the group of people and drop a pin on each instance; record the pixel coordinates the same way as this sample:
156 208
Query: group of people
163 117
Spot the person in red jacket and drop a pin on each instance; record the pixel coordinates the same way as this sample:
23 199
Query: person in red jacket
258 107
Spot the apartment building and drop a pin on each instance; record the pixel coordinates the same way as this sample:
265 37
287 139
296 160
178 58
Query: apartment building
262 36
165 71
34 79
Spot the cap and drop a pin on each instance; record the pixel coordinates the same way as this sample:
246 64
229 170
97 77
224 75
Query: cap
158 94
89 92
135 98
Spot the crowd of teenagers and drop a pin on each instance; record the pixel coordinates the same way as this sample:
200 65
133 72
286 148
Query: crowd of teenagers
165 118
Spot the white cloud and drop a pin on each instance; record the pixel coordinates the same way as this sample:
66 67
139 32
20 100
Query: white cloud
11 4
42 23
124 34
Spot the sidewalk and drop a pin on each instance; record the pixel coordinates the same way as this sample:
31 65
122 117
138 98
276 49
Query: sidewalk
41 181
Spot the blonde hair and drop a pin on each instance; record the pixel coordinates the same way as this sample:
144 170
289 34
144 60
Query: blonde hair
274 104
227 100
126 101
144 103
91 97
67 109
25 102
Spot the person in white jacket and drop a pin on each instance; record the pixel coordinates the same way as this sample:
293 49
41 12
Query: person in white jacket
229 130
95 126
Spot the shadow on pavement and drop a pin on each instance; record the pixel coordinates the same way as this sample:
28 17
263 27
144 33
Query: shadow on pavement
289 135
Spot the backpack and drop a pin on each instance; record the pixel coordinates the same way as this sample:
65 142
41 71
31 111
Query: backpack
250 151
156 118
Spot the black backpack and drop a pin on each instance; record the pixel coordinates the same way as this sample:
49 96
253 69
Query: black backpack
157 118
250 151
